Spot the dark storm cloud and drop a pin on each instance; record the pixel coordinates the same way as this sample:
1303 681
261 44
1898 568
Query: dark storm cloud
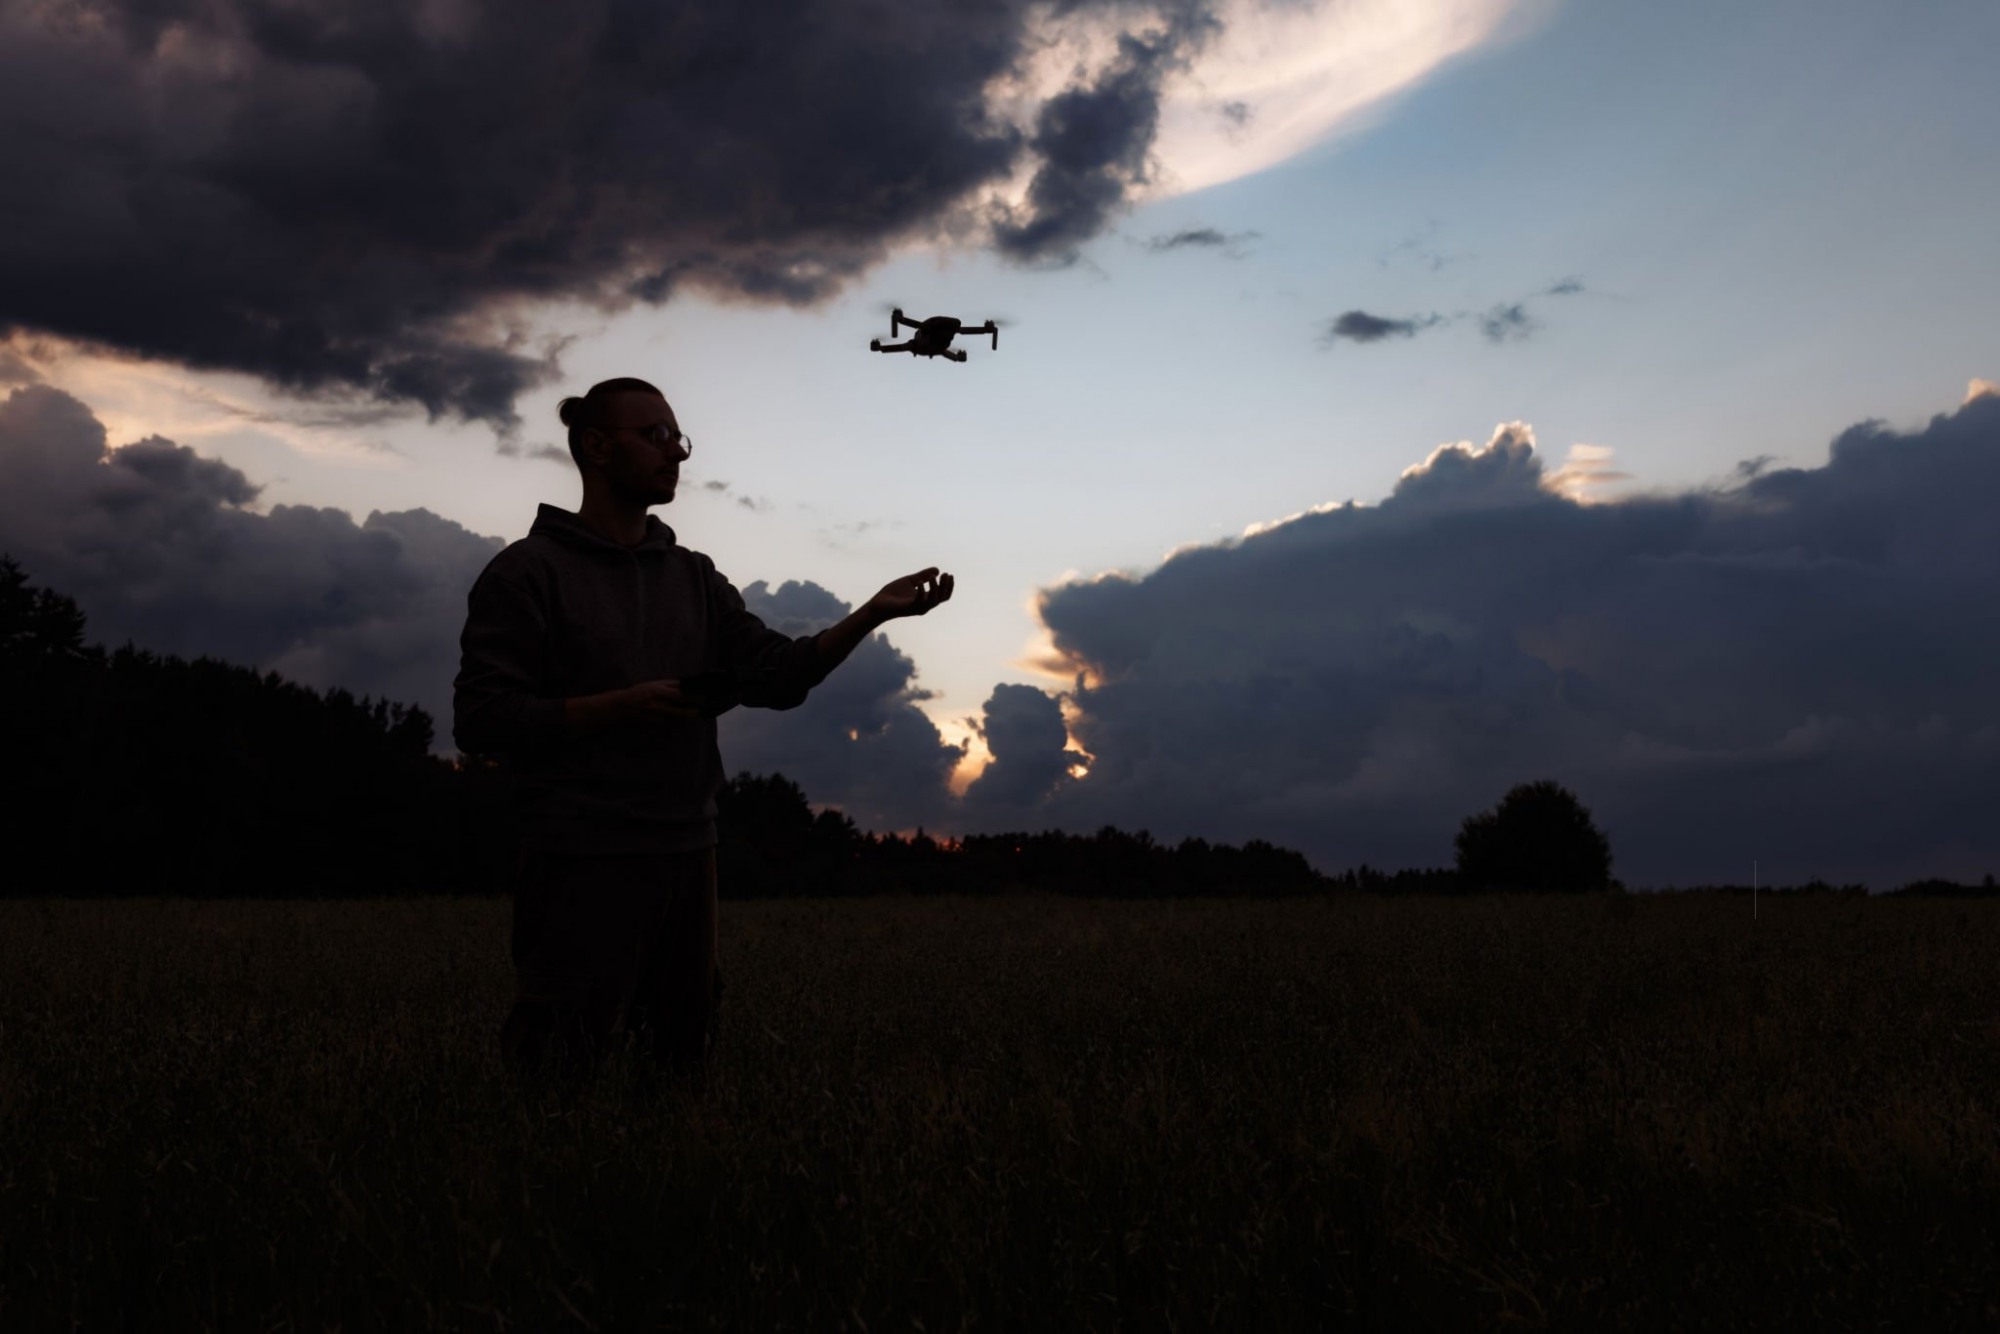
1092 143
156 545
1794 667
358 199
1358 326
1024 732
859 741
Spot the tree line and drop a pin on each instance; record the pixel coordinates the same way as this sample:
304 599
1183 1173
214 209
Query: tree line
134 772
772 843
139 773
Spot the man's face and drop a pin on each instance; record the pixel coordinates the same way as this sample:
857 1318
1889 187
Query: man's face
638 448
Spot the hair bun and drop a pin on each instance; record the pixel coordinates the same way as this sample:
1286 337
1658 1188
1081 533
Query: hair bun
570 410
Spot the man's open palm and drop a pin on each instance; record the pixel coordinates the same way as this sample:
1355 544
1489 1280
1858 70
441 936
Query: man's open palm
913 594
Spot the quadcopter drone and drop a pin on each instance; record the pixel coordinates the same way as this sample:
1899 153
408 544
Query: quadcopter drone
933 336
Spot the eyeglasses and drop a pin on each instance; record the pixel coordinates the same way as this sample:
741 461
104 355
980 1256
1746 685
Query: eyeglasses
659 437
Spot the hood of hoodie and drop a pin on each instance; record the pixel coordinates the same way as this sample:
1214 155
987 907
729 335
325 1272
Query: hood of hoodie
569 528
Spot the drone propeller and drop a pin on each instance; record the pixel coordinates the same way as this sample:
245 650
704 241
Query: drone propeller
892 307
894 310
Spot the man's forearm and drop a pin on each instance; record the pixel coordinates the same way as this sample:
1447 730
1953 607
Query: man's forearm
486 720
837 641
634 703
589 712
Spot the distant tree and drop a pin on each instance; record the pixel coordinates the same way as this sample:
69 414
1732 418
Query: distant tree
40 629
1540 837
766 808
772 842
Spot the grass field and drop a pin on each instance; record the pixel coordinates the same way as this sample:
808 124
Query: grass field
1021 1114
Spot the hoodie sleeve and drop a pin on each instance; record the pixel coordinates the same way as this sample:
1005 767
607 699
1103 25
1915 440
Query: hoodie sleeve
496 709
775 671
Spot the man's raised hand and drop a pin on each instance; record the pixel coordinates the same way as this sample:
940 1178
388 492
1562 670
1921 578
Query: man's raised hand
911 595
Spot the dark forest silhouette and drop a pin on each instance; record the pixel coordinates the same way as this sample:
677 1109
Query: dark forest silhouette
158 775
171 776
773 843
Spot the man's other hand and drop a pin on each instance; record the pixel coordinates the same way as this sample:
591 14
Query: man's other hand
659 699
649 701
911 595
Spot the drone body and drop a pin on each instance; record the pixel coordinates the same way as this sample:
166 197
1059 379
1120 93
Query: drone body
933 336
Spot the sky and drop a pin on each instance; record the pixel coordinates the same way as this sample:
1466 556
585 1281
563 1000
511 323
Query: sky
1394 401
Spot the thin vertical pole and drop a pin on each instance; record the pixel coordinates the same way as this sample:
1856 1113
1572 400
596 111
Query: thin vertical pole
1753 890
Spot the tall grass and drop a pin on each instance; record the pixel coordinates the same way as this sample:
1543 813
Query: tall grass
1020 1114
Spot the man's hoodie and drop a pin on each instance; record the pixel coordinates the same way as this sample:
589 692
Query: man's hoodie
566 612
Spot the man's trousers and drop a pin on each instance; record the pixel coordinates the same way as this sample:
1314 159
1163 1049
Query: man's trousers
609 952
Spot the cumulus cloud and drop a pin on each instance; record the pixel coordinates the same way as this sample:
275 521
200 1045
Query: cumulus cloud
159 547
1505 471
1029 744
1358 326
1793 665
363 199
859 741
1584 469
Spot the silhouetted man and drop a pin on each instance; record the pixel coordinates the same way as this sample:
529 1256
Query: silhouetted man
596 653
